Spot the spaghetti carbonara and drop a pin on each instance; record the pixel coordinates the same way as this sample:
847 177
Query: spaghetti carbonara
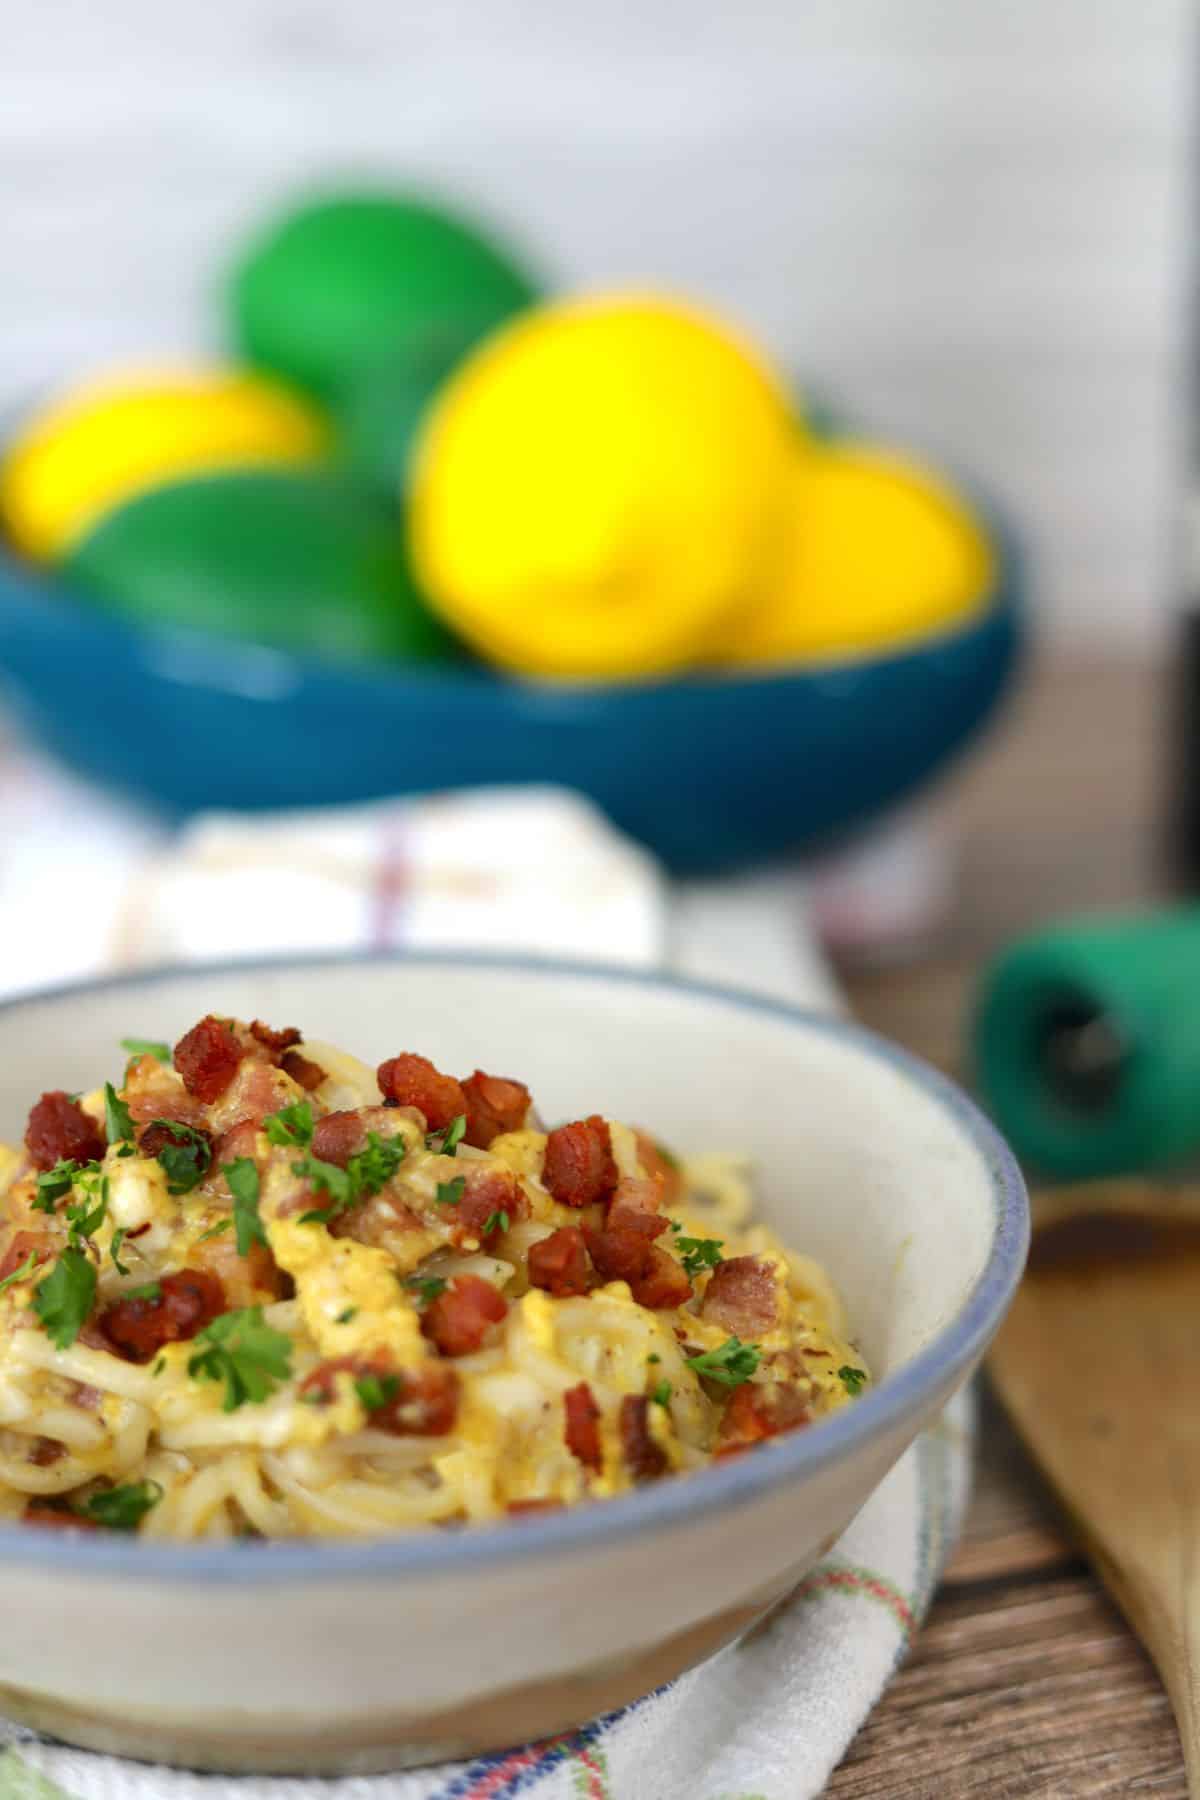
255 1289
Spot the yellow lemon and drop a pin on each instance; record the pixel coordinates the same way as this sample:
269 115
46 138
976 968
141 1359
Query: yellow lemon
116 437
881 553
600 485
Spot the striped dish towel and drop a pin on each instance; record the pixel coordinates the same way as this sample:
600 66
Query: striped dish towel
536 871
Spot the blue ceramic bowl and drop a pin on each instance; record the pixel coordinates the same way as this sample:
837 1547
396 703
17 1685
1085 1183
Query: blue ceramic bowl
710 771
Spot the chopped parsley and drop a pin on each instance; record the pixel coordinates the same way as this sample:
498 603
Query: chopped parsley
291 1126
730 1363
244 1352
147 1047
345 1317
242 1176
365 1173
150 1290
87 1215
215 1230
160 1363
118 1122
449 1193
699 1253
22 1274
495 1221
661 1395
53 1183
376 1390
64 1299
426 1287
446 1142
853 1380
114 1249
122 1508
187 1159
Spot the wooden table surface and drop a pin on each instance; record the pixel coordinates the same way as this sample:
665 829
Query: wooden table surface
1025 1679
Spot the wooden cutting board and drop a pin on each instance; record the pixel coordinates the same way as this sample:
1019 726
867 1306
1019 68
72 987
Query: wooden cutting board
1099 1365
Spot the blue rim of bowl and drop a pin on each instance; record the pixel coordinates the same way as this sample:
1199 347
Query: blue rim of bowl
722 1487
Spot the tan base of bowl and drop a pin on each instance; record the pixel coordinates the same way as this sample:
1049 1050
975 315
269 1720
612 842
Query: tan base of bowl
382 1742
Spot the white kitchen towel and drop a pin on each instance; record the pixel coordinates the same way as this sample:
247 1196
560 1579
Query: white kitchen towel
87 885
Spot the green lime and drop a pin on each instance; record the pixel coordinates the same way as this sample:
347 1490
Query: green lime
331 283
383 404
296 559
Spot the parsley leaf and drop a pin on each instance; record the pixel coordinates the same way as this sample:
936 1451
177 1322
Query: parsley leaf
123 1508
114 1249
147 1047
426 1287
661 1395
88 1214
242 1176
374 1167
449 1193
376 1390
327 1178
699 1253
248 1355
53 1183
853 1380
118 1124
187 1159
160 1363
730 1363
290 1126
365 1173
446 1142
26 1269
150 1290
495 1221
344 1318
215 1230
64 1299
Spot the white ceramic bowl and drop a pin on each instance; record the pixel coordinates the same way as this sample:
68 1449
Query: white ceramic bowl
361 1656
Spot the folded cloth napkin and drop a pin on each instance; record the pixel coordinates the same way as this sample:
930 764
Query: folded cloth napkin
86 885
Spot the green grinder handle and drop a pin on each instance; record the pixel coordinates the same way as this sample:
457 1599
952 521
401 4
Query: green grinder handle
1087 1045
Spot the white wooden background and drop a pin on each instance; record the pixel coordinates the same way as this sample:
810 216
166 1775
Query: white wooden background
965 218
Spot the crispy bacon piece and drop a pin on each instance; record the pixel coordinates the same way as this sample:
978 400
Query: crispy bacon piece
186 1303
303 1070
19 1250
634 1208
655 1278
559 1263
459 1319
338 1136
59 1128
240 1140
645 1458
251 1280
494 1105
742 1297
58 1516
755 1412
207 1057
410 1080
582 1427
658 1166
488 1193
425 1403
662 1283
579 1166
275 1042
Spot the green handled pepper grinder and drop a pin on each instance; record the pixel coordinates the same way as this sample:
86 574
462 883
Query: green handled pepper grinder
1087 1046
